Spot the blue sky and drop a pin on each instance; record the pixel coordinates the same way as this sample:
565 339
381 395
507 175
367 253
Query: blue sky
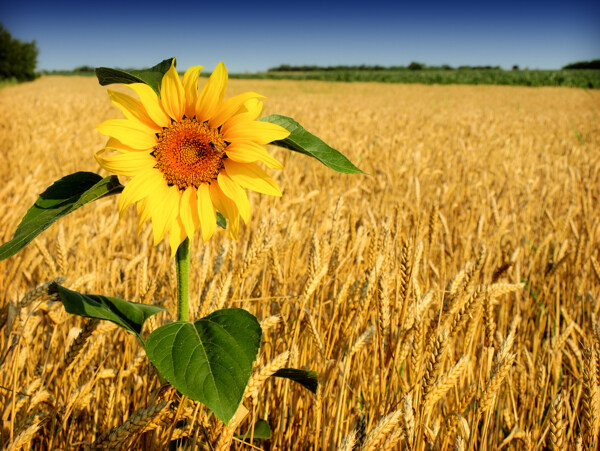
253 36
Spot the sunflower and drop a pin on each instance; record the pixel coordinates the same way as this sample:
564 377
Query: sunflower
189 154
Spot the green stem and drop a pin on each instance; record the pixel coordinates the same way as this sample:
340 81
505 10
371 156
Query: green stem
182 262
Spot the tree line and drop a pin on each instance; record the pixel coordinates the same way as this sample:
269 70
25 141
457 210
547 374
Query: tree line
594 64
18 59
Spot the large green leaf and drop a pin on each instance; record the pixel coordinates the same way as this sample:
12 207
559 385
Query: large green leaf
209 360
129 315
152 76
307 378
61 198
301 140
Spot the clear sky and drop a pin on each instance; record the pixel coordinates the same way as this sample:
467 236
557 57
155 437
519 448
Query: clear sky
258 34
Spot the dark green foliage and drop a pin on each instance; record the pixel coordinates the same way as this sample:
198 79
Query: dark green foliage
416 66
131 316
444 75
152 76
594 64
307 378
84 70
209 360
302 141
60 199
17 59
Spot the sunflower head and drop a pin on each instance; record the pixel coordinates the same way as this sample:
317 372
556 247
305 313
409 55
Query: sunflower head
189 154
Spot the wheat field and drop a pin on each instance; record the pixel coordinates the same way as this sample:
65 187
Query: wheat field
448 300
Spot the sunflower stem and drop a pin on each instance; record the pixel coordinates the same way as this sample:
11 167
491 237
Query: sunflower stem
182 263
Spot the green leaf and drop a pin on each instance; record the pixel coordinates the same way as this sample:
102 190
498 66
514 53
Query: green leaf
152 76
221 221
300 140
307 378
129 315
262 430
209 360
63 197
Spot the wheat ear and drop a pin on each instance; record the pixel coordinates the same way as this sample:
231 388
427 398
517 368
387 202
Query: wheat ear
556 437
590 399
79 342
39 292
138 421
349 442
27 430
382 430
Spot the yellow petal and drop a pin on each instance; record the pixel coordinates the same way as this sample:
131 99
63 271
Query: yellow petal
206 212
190 86
212 94
139 187
172 95
130 133
253 108
115 144
230 107
129 164
151 103
249 152
132 109
236 193
251 176
257 131
227 208
143 213
188 211
165 206
176 235
250 111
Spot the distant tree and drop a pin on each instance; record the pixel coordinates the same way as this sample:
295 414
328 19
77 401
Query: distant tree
594 64
416 66
515 67
17 59
83 69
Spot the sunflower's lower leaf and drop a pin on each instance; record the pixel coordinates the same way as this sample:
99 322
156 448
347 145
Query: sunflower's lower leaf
210 360
129 315
151 76
261 431
60 199
301 140
307 378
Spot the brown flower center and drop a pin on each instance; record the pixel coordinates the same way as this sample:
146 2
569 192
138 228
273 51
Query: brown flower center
189 153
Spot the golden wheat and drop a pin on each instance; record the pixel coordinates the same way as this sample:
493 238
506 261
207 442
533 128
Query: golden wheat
378 283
